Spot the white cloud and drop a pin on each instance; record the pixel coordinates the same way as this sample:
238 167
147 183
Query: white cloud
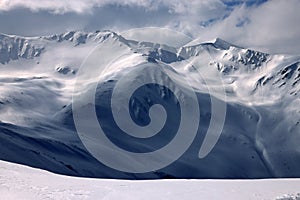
81 6
276 24
272 26
55 5
170 12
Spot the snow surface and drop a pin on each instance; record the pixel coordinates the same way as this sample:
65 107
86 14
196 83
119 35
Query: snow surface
260 138
21 182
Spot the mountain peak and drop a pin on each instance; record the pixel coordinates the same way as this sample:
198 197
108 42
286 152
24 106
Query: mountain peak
217 43
222 43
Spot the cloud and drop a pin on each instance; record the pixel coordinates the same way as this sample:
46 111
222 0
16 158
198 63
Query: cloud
82 6
101 14
55 6
270 26
276 23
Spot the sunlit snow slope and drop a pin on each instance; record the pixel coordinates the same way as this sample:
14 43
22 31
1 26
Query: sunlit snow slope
20 182
261 133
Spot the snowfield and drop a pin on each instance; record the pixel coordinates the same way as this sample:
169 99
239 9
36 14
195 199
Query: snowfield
21 182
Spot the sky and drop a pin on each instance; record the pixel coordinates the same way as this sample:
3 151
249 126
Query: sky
268 25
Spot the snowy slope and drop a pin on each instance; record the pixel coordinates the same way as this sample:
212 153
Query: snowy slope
20 182
260 135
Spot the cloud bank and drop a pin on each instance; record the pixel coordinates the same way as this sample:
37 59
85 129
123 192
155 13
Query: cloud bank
83 6
270 26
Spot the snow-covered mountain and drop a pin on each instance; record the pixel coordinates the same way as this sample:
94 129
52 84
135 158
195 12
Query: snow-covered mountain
260 137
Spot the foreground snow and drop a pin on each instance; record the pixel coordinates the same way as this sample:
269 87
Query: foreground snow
21 182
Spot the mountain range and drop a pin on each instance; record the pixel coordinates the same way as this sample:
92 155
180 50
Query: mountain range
261 132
